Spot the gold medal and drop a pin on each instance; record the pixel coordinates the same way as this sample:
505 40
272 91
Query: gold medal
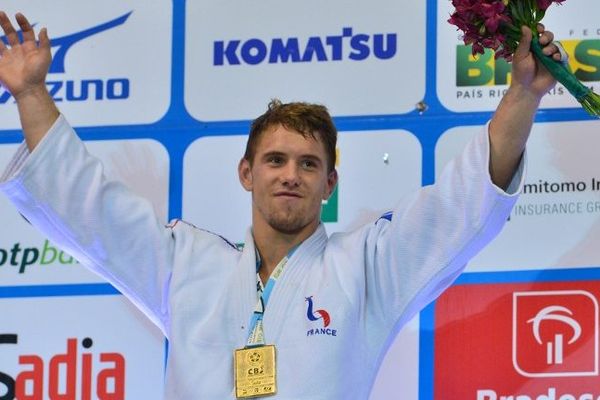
254 371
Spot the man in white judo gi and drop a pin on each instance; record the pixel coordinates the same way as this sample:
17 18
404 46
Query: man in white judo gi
295 314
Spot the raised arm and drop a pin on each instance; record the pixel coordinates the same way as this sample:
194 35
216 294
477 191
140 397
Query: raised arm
23 69
62 190
511 124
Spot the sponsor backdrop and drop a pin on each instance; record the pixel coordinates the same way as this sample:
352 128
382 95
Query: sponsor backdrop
164 91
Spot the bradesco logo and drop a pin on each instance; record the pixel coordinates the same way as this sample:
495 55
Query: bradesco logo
484 70
117 88
65 376
347 46
20 258
555 334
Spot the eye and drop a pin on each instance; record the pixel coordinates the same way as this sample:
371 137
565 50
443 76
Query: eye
308 164
275 160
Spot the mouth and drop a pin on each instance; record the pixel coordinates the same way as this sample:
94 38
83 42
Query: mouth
288 195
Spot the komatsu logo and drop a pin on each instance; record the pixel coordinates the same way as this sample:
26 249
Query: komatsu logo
347 46
115 88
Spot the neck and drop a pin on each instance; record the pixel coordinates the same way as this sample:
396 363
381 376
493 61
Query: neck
273 245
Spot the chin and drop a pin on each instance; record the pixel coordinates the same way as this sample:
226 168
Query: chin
287 226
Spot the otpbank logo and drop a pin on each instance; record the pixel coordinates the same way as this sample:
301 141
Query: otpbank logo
555 333
96 89
349 45
69 375
19 258
485 70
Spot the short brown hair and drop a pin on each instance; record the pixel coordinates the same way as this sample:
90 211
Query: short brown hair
310 120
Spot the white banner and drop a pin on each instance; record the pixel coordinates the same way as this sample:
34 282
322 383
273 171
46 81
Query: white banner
27 257
556 222
358 58
477 84
80 352
111 59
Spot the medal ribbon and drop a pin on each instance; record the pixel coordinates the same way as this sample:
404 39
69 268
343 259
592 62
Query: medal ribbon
256 335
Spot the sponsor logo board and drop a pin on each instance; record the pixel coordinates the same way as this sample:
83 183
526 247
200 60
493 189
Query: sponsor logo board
526 341
347 53
102 64
478 83
103 356
556 221
27 257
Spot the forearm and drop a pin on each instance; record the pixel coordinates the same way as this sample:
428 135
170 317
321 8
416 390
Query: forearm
38 113
509 130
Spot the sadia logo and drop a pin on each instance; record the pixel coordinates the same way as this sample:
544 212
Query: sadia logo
65 376
117 88
482 70
347 46
555 333
316 315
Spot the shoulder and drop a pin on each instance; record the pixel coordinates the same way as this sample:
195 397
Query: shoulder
182 230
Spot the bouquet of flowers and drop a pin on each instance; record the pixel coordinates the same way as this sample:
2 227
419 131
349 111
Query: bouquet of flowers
496 25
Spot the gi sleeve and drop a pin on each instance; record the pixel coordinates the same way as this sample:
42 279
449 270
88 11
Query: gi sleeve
432 235
62 190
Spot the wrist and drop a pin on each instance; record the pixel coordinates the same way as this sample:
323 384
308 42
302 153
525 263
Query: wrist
33 93
521 94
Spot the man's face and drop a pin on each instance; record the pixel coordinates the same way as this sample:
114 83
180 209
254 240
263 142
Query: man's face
288 180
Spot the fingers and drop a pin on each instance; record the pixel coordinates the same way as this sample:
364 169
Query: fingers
9 30
540 28
551 50
546 37
549 47
28 34
2 47
522 50
44 40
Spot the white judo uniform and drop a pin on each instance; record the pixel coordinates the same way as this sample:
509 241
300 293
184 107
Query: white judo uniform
201 290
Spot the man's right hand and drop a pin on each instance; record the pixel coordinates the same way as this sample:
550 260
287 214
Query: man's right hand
23 69
23 65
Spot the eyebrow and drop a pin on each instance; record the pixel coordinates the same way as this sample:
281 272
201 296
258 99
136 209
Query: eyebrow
311 157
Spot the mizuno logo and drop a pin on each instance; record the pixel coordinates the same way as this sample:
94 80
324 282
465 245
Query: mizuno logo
116 88
63 44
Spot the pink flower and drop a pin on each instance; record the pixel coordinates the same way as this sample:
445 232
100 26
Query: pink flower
492 24
494 21
544 4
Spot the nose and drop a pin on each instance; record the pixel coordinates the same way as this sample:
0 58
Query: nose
290 176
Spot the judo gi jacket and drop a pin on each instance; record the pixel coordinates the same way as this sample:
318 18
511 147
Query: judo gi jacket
201 290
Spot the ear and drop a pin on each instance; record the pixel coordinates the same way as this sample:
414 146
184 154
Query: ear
332 180
245 174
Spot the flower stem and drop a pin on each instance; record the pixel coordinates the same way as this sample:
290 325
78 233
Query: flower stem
584 95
